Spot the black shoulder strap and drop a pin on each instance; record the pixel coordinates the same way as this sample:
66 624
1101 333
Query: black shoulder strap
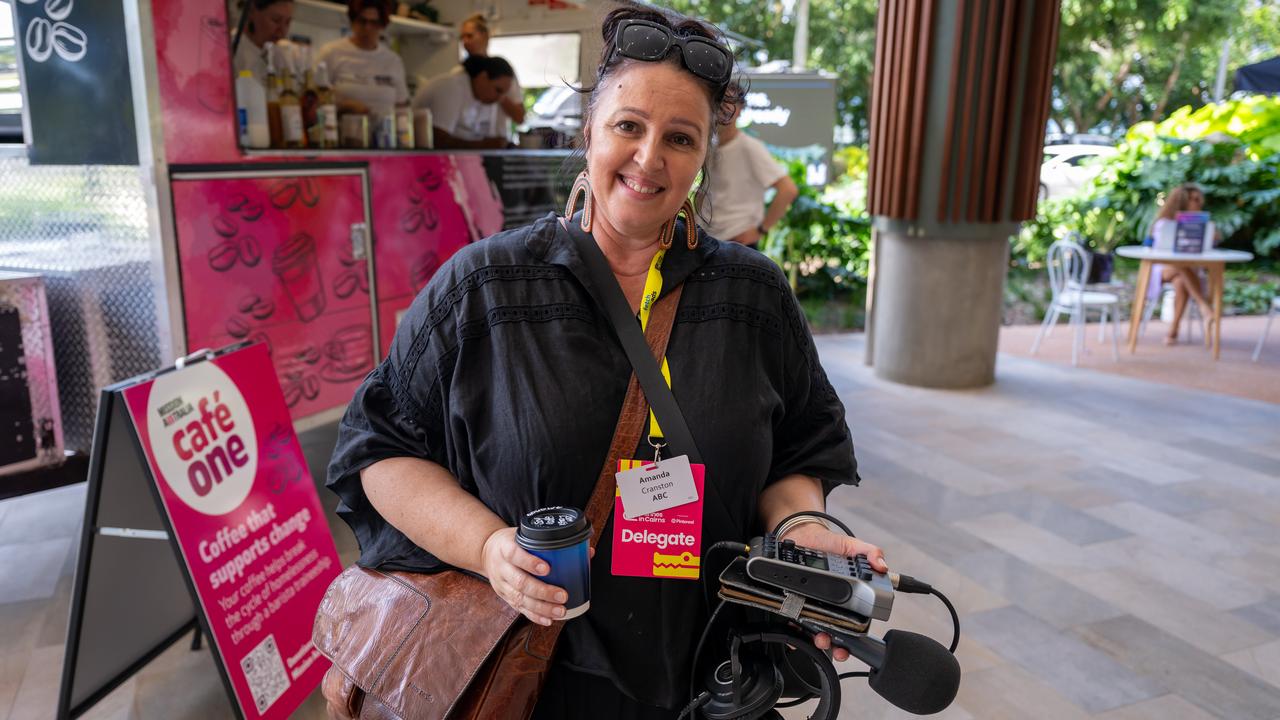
627 327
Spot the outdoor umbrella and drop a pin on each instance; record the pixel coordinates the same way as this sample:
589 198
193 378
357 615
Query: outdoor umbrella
1263 77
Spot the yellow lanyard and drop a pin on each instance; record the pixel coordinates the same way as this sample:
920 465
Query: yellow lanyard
652 289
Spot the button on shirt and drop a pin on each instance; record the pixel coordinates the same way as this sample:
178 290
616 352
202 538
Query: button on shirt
506 372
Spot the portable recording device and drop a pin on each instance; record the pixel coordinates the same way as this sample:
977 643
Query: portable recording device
804 592
843 582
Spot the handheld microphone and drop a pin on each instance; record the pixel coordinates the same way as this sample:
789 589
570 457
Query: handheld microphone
913 672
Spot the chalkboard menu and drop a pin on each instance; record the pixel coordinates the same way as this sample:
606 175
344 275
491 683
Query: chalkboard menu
75 82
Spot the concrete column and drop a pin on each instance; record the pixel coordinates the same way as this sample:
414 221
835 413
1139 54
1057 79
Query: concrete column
960 101
940 299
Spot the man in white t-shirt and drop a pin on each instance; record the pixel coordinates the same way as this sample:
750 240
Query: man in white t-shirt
464 106
367 76
740 173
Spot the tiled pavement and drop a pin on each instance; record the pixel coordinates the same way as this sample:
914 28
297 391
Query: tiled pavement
1113 548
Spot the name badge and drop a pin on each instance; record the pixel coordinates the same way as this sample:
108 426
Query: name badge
654 487
665 544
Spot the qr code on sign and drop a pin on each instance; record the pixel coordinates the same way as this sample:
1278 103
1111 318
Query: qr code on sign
264 671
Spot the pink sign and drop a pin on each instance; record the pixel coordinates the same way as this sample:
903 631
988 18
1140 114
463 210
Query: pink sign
244 512
273 260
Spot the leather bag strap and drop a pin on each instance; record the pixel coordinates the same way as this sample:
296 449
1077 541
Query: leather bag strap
626 436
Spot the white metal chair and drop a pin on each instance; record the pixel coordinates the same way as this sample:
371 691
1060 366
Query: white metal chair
1271 314
1068 264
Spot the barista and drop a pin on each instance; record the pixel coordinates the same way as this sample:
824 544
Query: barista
367 76
474 36
267 22
464 106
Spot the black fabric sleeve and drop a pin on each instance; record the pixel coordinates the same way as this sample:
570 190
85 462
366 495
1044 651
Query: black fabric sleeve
393 415
812 437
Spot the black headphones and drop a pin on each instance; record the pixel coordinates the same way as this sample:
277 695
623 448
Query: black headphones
749 683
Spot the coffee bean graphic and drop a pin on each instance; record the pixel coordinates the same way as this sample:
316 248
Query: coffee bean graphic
310 196
250 252
222 257
251 212
247 303
39 39
237 328
58 9
285 195
346 284
263 309
224 226
237 201
70 42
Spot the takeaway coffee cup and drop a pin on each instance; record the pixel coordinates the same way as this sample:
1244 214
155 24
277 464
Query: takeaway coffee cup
559 536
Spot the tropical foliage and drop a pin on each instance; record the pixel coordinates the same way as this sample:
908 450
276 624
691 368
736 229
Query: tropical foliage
1232 150
822 247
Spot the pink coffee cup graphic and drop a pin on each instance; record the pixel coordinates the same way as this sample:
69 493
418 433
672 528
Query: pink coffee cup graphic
296 265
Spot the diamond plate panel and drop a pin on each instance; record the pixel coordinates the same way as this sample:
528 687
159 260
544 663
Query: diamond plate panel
85 230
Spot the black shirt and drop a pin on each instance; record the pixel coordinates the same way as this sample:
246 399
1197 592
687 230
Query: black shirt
507 373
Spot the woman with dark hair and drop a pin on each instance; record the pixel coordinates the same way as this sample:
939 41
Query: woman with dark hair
367 76
1187 197
473 34
464 106
267 21
503 385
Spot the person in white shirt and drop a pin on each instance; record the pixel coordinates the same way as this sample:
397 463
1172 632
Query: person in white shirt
740 173
367 76
464 106
267 21
474 36
1186 280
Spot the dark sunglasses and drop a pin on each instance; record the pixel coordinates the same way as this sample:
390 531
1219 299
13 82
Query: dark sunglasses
650 42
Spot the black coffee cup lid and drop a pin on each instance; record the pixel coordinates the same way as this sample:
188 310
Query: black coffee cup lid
557 524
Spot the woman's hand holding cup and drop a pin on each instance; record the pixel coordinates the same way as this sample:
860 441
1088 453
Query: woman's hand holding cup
513 573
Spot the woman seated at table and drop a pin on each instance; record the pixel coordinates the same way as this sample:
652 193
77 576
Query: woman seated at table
1187 197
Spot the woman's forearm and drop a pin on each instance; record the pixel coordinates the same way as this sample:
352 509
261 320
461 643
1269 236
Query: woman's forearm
790 495
424 501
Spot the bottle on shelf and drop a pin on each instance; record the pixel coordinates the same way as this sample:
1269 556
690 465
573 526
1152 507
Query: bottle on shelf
291 126
404 126
326 108
274 129
251 111
310 101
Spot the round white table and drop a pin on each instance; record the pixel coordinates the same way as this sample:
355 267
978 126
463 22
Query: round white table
1213 261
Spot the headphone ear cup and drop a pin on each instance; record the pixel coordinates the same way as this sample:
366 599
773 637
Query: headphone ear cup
760 684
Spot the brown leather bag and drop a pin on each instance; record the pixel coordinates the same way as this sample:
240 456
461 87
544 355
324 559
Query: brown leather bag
411 646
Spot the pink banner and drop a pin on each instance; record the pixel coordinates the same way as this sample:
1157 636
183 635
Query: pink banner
193 59
272 259
244 512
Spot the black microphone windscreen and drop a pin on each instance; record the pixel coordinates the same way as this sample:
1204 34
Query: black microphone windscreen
918 675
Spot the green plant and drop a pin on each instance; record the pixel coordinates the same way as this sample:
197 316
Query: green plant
1231 149
822 250
1247 293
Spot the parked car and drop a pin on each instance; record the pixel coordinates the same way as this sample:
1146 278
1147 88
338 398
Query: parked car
1067 168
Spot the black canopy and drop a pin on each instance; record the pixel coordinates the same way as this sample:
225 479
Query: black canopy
1263 77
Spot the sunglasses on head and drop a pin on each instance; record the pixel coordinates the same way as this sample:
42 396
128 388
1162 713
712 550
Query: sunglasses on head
650 42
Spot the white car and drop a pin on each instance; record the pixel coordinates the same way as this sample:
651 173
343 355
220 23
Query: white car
1067 168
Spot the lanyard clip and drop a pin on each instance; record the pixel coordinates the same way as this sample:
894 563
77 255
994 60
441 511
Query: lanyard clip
657 446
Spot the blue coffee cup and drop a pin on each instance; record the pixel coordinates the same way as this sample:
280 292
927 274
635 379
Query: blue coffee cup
559 535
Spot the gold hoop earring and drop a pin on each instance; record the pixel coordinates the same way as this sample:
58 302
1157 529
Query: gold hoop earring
581 186
668 231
